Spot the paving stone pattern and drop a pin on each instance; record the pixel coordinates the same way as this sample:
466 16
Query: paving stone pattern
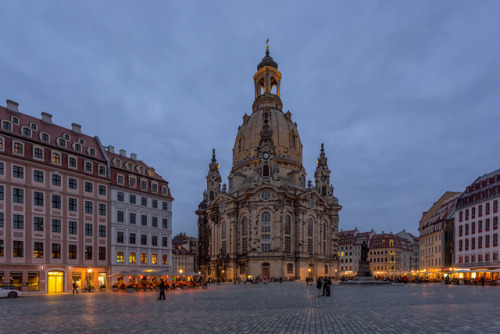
272 308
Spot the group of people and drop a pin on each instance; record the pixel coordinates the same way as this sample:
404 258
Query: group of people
324 283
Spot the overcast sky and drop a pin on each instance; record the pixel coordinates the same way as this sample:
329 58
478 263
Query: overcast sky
405 95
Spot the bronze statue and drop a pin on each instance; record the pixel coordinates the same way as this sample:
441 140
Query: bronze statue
364 251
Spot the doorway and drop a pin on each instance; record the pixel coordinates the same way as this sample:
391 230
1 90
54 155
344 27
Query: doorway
55 282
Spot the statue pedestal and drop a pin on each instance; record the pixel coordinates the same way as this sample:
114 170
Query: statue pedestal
364 276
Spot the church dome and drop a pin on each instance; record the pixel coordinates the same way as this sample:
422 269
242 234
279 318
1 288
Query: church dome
285 136
267 61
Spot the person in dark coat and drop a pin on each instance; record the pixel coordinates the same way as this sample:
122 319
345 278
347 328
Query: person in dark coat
162 290
328 285
319 284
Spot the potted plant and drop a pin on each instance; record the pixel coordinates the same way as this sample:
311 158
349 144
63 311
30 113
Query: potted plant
114 287
103 287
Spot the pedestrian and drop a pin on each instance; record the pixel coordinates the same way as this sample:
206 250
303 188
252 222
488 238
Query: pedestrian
75 288
482 280
325 282
239 280
319 284
328 286
281 279
162 290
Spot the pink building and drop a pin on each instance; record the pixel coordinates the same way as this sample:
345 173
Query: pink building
53 204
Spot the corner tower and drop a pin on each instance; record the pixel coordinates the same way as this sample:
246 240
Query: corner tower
213 178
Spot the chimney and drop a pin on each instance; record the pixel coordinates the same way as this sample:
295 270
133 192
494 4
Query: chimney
111 149
123 153
133 156
76 128
12 106
47 118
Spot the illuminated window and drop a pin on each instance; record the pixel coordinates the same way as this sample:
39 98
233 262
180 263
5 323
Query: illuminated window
131 257
18 148
56 251
164 259
56 158
154 258
119 257
38 250
144 258
2 144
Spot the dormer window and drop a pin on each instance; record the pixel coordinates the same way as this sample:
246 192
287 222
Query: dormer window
118 163
15 120
44 137
26 131
140 169
61 142
6 125
129 165
66 136
33 126
81 141
77 147
92 151
152 172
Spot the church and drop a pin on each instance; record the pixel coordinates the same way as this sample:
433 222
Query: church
268 222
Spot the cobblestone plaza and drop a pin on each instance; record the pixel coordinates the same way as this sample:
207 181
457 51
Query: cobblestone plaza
273 308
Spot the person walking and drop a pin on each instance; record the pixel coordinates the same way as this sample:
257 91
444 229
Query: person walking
162 290
319 284
75 288
328 286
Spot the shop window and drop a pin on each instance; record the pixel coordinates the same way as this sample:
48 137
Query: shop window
16 279
33 281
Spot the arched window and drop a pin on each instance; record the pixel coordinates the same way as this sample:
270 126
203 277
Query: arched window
244 226
265 170
309 227
223 228
266 222
288 225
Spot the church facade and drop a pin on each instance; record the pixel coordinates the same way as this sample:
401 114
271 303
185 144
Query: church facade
268 221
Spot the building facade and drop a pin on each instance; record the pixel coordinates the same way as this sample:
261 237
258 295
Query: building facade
141 217
435 236
268 222
389 254
350 250
54 204
476 224
415 257
182 259
58 200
